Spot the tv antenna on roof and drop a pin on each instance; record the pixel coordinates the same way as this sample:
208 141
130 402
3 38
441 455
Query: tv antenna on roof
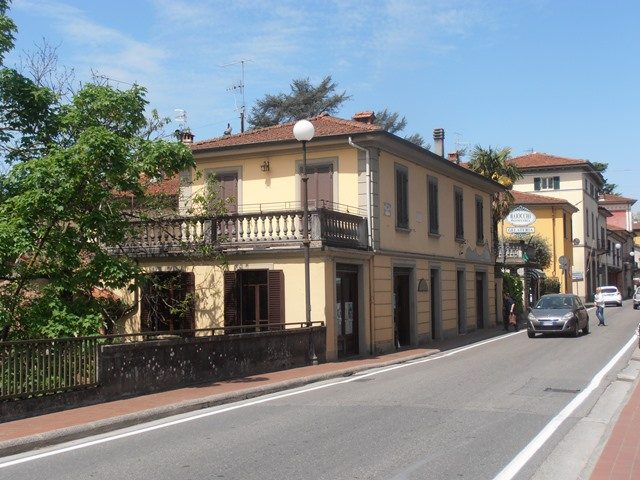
181 117
238 86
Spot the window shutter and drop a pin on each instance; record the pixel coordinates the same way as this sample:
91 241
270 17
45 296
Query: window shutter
276 297
536 183
231 299
556 183
188 284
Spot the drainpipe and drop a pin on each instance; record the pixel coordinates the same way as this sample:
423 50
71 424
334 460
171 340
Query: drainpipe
369 239
368 177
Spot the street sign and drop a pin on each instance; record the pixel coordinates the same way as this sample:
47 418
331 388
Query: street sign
577 276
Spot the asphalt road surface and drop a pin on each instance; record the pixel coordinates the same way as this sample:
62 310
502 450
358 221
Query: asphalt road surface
463 414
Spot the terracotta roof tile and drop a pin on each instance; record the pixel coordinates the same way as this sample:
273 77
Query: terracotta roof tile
325 126
534 199
537 159
609 198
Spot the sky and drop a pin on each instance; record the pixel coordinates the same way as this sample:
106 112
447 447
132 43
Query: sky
555 76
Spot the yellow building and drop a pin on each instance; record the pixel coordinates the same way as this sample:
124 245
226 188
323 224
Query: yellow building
551 220
400 247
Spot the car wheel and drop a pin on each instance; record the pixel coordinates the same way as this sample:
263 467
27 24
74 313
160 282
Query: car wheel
585 329
530 334
620 304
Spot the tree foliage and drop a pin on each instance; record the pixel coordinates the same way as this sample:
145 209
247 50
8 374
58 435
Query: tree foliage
304 101
62 206
610 188
494 164
393 123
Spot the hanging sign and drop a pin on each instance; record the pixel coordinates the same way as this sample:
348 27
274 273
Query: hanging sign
521 217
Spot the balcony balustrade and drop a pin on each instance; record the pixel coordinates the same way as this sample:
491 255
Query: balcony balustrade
250 231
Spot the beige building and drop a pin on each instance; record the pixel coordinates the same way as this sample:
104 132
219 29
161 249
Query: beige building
579 183
400 247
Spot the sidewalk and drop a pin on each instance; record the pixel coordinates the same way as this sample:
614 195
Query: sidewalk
619 459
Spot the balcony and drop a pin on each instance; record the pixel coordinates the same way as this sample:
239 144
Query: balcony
247 231
511 253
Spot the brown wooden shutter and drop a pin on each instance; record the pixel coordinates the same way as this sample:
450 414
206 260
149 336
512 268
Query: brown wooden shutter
231 318
276 297
188 287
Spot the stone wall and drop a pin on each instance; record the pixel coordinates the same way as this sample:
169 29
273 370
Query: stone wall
132 369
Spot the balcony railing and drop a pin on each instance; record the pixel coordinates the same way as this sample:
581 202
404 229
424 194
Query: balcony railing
263 230
510 253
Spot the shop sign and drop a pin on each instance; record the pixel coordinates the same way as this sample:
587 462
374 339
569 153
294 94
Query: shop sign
521 217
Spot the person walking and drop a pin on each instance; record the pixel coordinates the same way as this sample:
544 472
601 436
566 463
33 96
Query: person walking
599 301
509 313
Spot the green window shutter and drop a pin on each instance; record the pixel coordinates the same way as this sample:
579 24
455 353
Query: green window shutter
536 183
556 183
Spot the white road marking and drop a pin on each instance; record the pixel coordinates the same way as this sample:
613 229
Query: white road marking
534 445
243 405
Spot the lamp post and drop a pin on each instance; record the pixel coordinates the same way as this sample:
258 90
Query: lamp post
303 131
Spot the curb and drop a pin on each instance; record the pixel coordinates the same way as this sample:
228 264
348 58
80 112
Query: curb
54 437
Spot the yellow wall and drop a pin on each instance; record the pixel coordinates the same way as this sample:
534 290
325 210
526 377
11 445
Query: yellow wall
418 239
281 183
549 225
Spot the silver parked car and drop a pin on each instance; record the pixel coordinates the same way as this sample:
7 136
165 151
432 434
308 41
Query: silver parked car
558 313
636 298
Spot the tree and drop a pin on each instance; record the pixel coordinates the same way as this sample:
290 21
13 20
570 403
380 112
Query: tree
392 123
304 101
61 202
494 164
609 188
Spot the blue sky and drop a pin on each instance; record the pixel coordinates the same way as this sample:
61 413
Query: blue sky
555 76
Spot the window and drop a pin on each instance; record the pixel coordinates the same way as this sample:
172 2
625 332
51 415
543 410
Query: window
433 205
402 197
587 229
320 185
226 184
564 225
167 302
479 220
254 298
546 183
459 218
593 226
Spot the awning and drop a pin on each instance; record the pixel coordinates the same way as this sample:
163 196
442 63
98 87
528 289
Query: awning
536 273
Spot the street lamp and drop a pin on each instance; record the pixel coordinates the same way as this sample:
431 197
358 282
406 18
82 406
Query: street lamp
303 131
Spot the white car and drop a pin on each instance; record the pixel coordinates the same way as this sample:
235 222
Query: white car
611 295
636 298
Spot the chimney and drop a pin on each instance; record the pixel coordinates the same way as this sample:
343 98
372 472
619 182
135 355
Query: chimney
438 141
185 136
454 157
365 117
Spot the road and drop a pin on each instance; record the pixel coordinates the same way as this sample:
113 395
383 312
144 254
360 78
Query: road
465 413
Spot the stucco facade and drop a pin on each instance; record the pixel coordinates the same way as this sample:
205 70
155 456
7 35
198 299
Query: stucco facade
385 272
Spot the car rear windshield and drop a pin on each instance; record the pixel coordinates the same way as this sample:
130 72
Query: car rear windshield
609 290
554 303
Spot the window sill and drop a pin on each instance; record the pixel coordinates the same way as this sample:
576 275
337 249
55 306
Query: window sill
403 229
482 243
461 240
434 235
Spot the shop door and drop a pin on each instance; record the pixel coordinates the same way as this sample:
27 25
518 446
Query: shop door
347 310
402 312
